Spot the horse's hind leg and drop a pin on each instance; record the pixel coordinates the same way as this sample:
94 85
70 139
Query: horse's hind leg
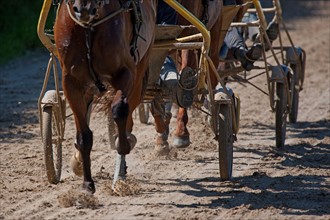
162 120
79 103
181 136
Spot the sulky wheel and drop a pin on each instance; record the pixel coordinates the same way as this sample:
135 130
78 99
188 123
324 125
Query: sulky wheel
225 141
281 113
143 113
296 60
293 80
52 143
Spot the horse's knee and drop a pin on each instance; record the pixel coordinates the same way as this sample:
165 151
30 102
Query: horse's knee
120 109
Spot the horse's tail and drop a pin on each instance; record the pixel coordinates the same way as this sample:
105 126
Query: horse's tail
145 83
102 102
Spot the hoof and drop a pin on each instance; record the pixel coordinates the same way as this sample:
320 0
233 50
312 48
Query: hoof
162 150
181 142
89 186
162 147
131 140
77 164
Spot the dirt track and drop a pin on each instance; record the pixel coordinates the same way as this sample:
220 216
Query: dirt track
268 183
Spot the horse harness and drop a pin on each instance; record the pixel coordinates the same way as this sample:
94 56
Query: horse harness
128 5
133 6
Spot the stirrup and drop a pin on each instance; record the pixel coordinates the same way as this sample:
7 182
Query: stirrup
187 83
254 53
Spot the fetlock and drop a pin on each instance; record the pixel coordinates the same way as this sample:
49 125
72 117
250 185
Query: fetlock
162 147
161 138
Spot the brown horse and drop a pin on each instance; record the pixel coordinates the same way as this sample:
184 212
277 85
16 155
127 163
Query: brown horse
208 11
104 46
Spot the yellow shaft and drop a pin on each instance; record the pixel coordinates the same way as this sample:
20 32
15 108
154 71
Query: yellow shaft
260 13
193 20
41 27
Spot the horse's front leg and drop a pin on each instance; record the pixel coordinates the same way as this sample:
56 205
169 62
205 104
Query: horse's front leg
120 112
125 140
84 143
79 103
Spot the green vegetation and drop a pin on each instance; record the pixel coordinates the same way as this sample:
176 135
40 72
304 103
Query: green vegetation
18 27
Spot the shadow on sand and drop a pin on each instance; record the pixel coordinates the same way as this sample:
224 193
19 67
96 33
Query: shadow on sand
293 194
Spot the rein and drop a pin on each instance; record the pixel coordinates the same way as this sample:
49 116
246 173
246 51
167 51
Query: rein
97 81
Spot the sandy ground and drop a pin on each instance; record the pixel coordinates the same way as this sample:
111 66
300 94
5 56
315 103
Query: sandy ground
267 183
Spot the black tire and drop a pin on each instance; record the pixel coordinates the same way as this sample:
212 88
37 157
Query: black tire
301 74
281 113
225 141
52 144
143 113
294 93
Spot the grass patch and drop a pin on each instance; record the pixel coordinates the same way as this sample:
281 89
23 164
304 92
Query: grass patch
18 28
